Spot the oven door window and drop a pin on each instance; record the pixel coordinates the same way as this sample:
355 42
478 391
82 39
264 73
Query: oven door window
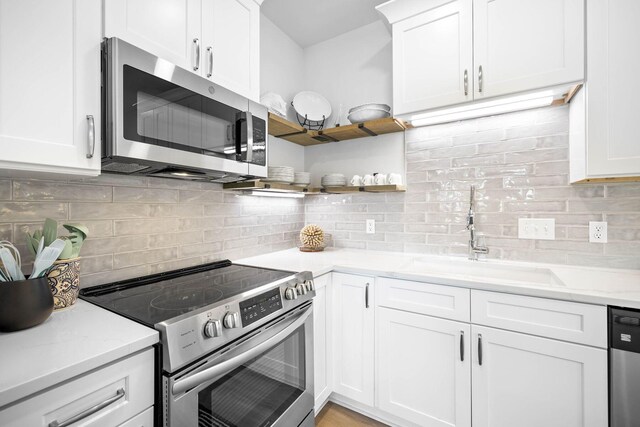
161 113
258 392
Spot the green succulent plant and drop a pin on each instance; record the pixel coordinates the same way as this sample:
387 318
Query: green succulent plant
73 242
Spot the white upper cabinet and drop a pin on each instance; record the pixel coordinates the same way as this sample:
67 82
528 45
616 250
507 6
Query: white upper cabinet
523 45
604 115
432 58
217 39
231 45
457 51
169 29
50 86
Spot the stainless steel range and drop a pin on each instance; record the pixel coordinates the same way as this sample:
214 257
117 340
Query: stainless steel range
236 342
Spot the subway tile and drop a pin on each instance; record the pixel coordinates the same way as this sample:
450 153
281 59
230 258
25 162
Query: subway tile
479 160
148 256
113 245
46 191
385 246
32 211
552 168
564 193
537 130
536 156
149 195
161 210
508 146
200 196
504 170
535 181
5 190
623 190
129 227
605 205
96 264
406 237
199 249
84 211
535 206
164 239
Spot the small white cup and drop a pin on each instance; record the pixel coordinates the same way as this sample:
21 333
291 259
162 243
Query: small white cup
395 179
381 179
368 180
356 181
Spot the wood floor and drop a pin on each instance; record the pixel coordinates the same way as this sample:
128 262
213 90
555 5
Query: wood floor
333 415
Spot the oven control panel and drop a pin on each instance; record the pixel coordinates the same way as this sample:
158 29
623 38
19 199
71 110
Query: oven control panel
260 306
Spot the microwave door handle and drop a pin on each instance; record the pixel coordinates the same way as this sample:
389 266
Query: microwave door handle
220 369
249 119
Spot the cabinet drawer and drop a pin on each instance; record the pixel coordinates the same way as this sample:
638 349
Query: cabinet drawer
124 389
563 320
424 298
145 419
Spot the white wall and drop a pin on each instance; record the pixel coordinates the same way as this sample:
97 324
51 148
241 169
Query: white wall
351 69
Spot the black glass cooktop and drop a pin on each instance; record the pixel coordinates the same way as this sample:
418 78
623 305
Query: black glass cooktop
156 298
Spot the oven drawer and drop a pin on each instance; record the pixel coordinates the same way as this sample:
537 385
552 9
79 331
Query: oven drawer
106 397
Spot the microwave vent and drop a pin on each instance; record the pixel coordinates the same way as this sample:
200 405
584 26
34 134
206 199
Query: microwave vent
123 167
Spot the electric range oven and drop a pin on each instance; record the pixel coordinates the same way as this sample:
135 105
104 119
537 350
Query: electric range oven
236 343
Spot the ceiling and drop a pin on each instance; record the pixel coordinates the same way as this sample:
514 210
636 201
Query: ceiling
309 22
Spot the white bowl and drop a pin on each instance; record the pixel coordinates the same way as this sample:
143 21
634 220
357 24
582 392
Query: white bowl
312 105
367 114
384 107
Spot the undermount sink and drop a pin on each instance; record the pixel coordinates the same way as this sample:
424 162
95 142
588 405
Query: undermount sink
484 271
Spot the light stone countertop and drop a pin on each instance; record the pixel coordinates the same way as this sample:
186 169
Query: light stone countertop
69 343
572 283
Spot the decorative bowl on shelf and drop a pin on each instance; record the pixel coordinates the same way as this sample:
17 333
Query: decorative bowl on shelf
312 109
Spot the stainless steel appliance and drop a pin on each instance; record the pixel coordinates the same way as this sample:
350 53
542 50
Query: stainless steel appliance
162 120
237 342
624 367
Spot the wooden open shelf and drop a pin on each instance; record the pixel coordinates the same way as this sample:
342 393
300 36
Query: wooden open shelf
289 188
295 133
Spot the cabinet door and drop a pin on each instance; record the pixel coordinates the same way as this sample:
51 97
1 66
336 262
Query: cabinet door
49 84
353 332
169 29
613 41
231 36
432 54
526 44
528 381
321 342
424 368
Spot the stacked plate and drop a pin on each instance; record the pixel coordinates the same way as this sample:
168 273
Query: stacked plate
283 174
366 112
302 179
333 180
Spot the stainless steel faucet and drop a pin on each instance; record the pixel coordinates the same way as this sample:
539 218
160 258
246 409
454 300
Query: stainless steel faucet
474 249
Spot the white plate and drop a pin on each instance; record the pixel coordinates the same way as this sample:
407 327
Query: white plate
312 104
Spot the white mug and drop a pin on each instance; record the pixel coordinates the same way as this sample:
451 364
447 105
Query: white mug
395 179
356 181
381 179
368 180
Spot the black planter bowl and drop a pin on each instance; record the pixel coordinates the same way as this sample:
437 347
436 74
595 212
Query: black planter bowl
24 303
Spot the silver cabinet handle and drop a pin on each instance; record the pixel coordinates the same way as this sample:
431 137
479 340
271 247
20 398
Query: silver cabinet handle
366 296
480 349
480 80
84 414
91 136
196 54
462 346
249 137
210 54
466 82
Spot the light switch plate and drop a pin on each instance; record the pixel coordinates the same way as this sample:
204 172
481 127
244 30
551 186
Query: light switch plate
537 228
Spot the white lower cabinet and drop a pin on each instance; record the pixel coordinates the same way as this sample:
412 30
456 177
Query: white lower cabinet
322 340
528 381
423 368
120 393
353 337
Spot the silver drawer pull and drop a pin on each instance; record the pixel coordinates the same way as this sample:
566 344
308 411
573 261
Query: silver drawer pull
84 414
210 52
480 79
91 136
466 82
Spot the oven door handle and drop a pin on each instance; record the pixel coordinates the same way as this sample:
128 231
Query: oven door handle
220 369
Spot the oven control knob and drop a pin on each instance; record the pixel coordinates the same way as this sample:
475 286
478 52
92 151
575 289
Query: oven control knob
231 320
290 293
309 285
212 328
301 288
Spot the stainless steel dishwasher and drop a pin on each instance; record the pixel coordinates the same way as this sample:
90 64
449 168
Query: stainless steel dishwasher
624 367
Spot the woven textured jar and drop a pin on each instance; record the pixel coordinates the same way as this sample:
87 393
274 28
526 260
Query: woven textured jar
64 280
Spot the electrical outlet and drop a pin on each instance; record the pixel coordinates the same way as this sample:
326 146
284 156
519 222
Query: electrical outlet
537 228
597 231
371 226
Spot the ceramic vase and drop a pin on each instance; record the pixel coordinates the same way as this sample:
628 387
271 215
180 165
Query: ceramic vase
64 280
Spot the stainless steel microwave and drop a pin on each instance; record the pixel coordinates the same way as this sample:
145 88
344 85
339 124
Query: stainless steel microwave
162 120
